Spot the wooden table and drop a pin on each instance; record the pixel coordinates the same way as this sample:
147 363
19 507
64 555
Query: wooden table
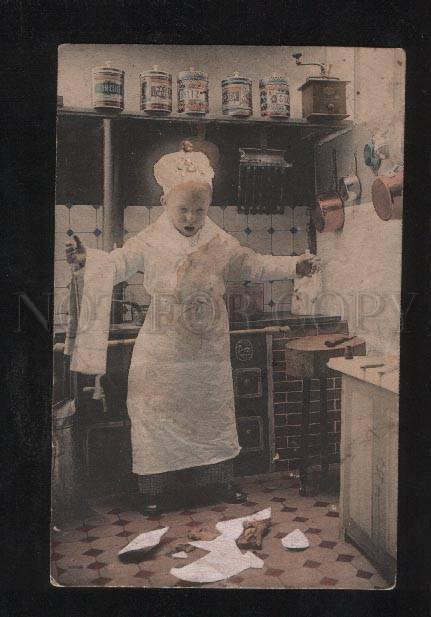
306 359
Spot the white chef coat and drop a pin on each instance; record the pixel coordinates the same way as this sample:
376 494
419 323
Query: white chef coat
180 394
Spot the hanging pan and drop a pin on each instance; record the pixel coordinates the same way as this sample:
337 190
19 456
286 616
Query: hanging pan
349 187
328 211
387 194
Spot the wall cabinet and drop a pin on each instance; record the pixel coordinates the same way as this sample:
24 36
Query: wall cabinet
369 462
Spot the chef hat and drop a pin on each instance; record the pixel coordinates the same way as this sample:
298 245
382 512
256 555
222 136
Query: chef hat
178 167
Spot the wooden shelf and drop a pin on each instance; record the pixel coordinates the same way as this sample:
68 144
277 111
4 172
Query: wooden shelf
323 127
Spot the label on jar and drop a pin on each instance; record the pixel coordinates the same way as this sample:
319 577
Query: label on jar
236 98
193 96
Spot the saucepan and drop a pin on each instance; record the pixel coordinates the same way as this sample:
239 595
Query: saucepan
349 188
387 194
328 211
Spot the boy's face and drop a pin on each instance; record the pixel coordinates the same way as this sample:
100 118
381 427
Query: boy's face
187 206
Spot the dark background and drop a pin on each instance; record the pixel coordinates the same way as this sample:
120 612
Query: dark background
30 32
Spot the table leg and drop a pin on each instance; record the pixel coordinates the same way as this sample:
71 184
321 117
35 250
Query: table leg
324 427
304 435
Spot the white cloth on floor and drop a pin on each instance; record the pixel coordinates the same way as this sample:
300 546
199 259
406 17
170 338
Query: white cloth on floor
223 561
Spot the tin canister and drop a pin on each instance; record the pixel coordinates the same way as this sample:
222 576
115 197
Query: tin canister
156 91
274 97
193 92
236 96
108 88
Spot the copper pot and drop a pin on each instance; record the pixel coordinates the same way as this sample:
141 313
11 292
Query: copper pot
328 212
387 195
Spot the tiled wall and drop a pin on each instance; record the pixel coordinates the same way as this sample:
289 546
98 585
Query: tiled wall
281 234
87 222
284 234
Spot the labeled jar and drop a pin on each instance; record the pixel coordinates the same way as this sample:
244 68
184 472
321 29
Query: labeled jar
274 97
237 96
108 88
193 92
156 91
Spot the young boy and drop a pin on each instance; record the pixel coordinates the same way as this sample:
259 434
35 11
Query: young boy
180 394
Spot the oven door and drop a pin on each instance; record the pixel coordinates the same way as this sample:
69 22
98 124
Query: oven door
253 407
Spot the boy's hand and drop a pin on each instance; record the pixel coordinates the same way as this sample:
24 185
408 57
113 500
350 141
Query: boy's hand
308 264
76 253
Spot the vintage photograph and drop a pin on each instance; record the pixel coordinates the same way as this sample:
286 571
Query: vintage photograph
227 283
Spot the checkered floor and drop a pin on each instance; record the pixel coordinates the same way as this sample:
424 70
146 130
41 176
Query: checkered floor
85 552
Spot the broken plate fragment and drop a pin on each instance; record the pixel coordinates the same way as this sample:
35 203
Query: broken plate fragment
180 555
223 560
295 541
144 542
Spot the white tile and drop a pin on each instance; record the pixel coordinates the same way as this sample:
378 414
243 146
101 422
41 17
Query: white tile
61 218
240 236
300 242
155 212
234 220
60 320
83 218
259 222
282 308
282 243
215 213
260 241
88 239
60 245
267 292
282 221
282 291
61 300
62 273
301 217
100 217
136 218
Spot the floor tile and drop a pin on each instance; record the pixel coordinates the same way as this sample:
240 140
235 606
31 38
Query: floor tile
71 535
75 562
102 581
327 544
77 578
86 551
329 582
105 531
110 542
273 572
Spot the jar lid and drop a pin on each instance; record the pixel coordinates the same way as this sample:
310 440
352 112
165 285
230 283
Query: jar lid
192 74
274 77
236 75
155 71
107 67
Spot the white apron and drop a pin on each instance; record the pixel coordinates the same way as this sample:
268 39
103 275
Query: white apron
180 393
